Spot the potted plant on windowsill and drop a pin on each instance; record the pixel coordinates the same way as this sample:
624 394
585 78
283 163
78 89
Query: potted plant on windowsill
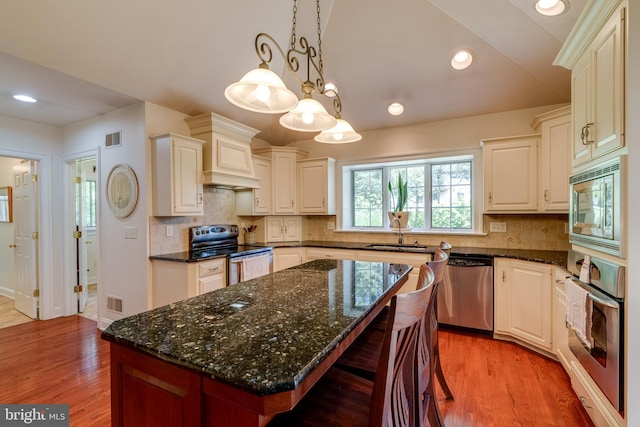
399 201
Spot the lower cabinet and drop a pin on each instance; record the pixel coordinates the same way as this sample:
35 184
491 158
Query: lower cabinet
287 257
412 259
326 253
176 281
522 303
560 331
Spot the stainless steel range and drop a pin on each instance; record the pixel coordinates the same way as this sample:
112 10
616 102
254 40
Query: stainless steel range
207 241
603 355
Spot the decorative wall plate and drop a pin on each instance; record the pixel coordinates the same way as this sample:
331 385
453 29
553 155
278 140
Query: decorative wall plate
122 190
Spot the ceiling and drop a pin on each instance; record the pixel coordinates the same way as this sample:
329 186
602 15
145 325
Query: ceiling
82 58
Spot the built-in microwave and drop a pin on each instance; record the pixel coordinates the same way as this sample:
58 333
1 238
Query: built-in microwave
597 206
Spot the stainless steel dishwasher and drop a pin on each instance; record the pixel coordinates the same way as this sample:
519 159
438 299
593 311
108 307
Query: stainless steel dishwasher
465 297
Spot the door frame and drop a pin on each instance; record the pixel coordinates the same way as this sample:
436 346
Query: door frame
69 226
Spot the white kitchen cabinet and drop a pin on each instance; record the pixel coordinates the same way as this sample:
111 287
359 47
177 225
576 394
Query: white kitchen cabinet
257 201
560 331
597 92
327 253
316 186
511 174
284 177
284 228
522 301
287 257
555 165
177 175
176 281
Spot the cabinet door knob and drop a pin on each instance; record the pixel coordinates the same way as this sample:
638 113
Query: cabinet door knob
546 195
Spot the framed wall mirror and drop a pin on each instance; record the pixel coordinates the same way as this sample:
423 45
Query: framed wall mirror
6 207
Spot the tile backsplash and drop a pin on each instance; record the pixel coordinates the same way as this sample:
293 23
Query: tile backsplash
219 208
542 232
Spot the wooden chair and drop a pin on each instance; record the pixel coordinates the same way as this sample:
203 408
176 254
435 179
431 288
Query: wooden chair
446 248
344 399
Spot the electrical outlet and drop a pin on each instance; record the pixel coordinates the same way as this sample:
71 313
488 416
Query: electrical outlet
331 225
243 225
498 227
566 228
130 232
169 230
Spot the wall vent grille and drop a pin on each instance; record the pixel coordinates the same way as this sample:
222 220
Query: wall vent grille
114 303
113 139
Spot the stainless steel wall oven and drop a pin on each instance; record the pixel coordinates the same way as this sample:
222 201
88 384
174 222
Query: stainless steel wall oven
603 359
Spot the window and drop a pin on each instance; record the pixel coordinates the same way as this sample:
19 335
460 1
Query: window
88 204
440 194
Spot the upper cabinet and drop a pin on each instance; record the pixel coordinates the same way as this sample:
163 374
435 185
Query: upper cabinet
595 52
226 152
511 174
177 175
257 201
316 186
554 165
284 183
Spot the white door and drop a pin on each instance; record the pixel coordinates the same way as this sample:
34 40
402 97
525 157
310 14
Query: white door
85 221
25 238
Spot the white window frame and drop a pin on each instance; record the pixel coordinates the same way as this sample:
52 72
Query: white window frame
344 189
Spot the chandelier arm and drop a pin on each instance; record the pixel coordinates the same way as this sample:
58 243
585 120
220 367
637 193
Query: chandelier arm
265 53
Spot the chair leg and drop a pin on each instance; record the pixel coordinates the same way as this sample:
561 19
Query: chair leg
440 375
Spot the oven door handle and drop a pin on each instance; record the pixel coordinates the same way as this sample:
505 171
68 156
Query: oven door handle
600 301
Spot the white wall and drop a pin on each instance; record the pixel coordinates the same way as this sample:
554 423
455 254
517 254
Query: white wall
632 138
122 269
124 266
7 262
28 140
446 135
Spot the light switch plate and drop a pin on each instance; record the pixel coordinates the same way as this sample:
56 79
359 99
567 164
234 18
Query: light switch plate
130 232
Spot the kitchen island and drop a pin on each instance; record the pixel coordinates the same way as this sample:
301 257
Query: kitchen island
239 355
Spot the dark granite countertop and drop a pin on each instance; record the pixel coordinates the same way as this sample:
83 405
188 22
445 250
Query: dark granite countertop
264 335
558 258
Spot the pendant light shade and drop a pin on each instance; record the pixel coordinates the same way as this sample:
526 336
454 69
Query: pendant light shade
261 90
341 133
308 116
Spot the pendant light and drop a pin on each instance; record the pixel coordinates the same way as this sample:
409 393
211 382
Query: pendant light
341 133
263 91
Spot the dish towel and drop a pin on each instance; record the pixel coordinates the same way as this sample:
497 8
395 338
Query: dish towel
579 311
254 267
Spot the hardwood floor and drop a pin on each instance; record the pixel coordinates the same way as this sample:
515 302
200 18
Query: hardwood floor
61 360
495 383
498 383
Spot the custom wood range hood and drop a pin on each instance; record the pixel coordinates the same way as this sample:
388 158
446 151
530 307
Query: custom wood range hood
226 153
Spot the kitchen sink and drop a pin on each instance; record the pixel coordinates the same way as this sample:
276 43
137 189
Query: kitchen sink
398 248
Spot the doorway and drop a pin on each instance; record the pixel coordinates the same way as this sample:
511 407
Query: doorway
18 242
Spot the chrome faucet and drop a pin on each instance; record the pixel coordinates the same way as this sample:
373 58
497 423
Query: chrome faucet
397 220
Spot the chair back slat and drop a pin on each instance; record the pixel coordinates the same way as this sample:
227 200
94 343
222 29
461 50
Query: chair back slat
393 403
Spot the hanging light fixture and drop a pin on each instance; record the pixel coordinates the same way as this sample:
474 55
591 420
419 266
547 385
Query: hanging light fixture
261 90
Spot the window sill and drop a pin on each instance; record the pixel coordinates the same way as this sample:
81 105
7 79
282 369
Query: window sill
413 232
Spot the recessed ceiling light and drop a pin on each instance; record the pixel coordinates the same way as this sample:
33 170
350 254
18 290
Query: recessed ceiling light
551 7
25 98
395 109
462 59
